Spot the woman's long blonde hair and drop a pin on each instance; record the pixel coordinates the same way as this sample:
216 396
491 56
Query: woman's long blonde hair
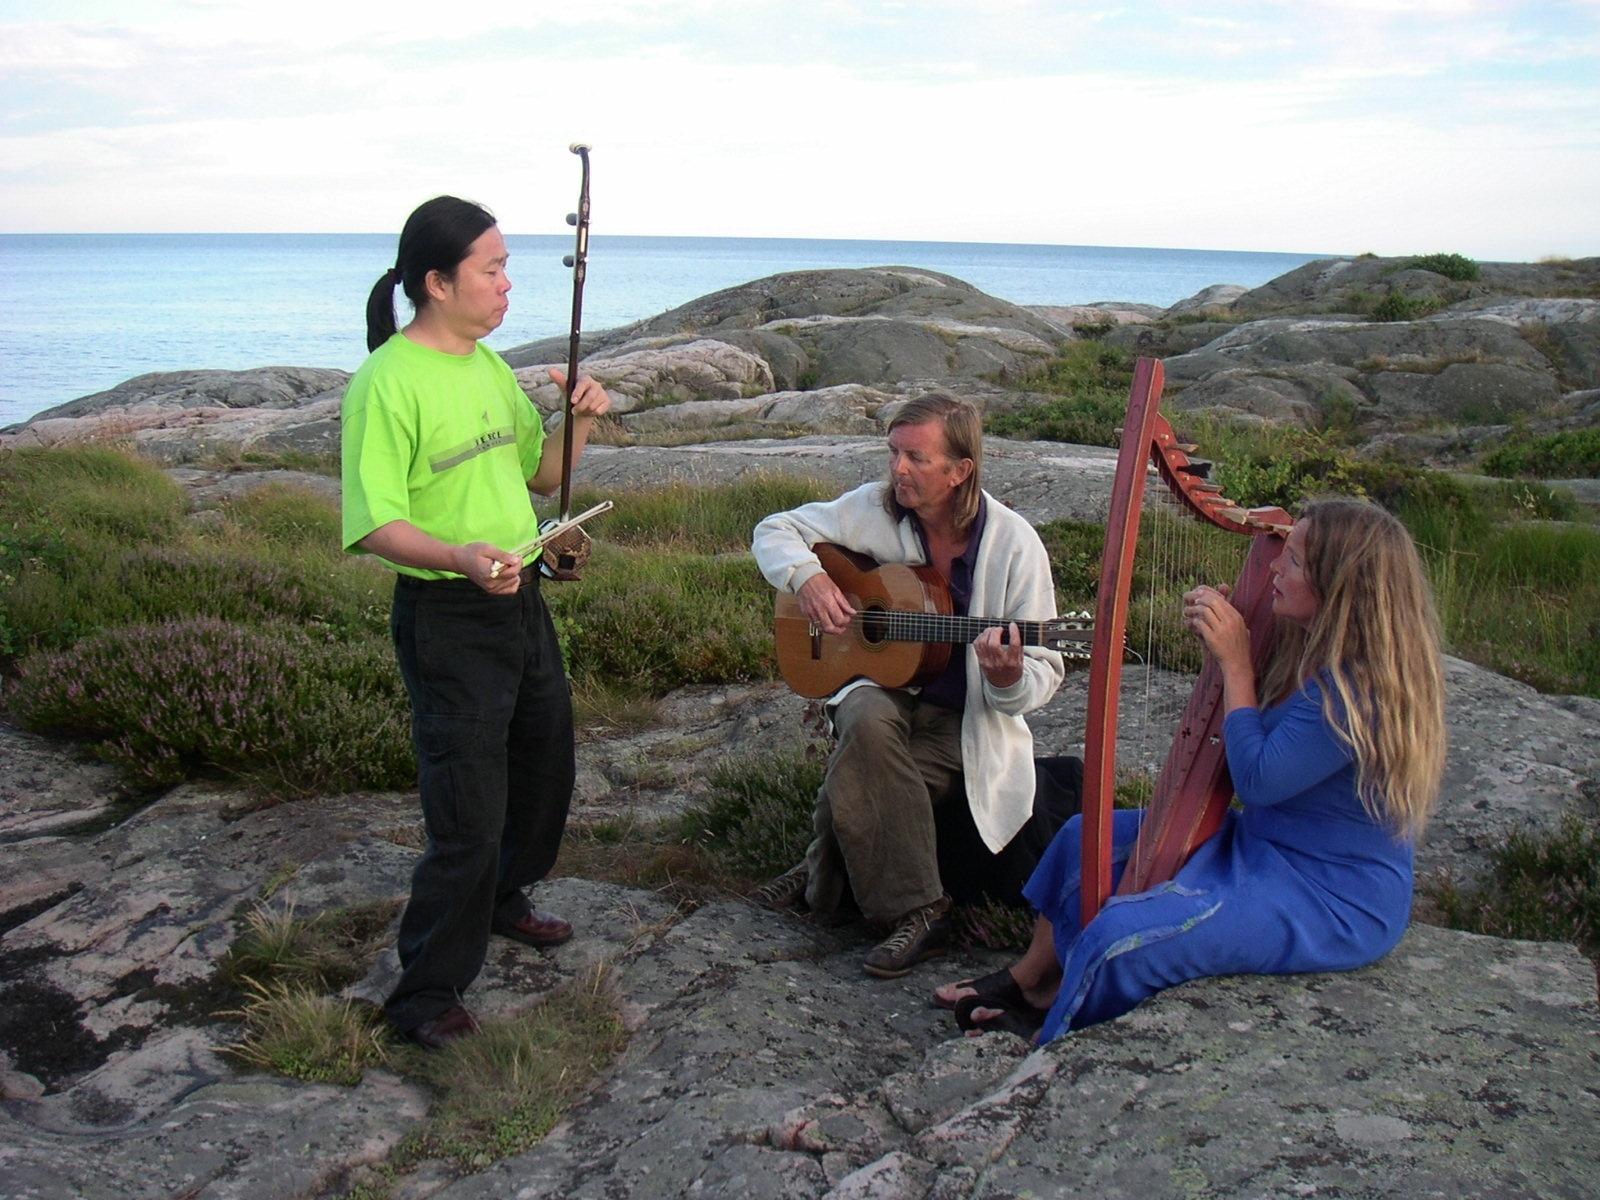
1375 639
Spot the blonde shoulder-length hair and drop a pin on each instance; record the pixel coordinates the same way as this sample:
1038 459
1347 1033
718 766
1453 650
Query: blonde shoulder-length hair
963 436
1374 645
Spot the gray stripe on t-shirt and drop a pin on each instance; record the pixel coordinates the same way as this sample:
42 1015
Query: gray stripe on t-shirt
457 455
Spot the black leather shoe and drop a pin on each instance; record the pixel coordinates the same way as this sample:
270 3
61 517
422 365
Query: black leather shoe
538 929
453 1024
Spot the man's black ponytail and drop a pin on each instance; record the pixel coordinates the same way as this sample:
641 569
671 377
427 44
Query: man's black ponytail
436 237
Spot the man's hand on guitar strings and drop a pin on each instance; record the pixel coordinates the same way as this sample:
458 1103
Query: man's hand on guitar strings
824 605
1000 654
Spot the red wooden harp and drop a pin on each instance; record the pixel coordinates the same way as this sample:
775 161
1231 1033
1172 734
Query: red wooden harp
1192 792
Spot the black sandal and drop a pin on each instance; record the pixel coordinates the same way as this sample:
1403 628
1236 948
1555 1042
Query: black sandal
1018 1017
997 985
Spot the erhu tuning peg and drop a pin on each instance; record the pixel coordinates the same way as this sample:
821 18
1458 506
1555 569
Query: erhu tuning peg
572 218
567 260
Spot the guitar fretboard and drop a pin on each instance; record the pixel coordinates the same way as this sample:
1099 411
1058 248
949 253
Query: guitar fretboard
894 625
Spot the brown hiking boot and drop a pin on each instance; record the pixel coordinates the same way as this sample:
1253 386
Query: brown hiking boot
784 892
922 933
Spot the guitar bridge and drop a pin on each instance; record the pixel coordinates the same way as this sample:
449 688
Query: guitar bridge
816 642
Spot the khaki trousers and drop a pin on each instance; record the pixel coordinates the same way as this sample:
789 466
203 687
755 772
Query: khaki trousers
896 760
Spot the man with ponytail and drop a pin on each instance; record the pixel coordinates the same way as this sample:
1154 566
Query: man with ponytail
440 450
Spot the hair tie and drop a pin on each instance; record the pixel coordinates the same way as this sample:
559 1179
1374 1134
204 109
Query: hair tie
395 271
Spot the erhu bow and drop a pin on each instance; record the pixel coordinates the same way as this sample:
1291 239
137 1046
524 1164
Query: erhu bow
1193 790
564 546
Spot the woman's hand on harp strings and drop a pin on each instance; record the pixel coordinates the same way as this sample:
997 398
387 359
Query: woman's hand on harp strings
1211 616
1000 661
824 605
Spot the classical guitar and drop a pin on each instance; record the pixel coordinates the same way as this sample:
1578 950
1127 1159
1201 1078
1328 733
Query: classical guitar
902 631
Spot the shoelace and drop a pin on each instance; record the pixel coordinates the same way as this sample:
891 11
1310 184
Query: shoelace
783 885
901 938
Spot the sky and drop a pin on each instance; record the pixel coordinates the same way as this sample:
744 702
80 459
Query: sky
1332 126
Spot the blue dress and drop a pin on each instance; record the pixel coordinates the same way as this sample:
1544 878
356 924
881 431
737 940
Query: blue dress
1300 879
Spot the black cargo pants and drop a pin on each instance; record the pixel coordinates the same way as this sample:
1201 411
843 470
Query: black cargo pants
491 719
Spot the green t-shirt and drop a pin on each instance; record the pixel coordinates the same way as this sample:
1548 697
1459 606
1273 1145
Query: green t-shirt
444 441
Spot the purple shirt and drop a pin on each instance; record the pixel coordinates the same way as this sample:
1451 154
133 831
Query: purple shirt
950 689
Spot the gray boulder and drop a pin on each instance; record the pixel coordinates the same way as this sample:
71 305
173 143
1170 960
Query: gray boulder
880 327
1210 299
1343 284
1102 314
1478 367
184 416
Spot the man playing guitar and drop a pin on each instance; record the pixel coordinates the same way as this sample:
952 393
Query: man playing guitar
902 754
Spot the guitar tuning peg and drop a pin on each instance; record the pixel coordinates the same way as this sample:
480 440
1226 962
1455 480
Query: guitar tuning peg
566 260
572 218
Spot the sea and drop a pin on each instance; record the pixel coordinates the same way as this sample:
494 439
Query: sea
88 311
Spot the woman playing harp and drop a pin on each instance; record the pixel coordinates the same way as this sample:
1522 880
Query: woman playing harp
1336 753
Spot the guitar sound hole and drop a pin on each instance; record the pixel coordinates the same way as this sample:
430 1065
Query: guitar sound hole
872 626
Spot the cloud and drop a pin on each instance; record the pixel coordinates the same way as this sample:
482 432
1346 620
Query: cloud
1352 124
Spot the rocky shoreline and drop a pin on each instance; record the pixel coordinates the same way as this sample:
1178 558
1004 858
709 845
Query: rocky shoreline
761 1062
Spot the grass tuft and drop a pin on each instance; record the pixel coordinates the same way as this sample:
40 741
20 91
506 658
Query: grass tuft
325 952
502 1090
297 1031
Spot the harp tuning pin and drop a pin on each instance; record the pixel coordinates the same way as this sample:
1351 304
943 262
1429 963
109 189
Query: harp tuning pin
567 260
572 218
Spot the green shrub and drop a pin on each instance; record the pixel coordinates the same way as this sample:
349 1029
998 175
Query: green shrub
994 926
660 619
1075 548
1572 454
1092 382
70 565
1451 266
756 818
1521 597
1397 306
152 583
1284 470
288 516
274 705
88 494
1543 886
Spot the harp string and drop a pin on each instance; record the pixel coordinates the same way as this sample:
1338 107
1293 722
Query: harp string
1180 552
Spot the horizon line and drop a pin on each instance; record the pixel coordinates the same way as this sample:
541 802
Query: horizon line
718 237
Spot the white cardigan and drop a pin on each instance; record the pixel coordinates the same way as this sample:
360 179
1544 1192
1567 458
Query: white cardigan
1011 580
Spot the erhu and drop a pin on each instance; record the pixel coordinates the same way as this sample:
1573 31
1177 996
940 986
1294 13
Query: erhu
564 546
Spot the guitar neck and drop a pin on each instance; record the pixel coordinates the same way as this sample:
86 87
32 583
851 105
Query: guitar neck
891 625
